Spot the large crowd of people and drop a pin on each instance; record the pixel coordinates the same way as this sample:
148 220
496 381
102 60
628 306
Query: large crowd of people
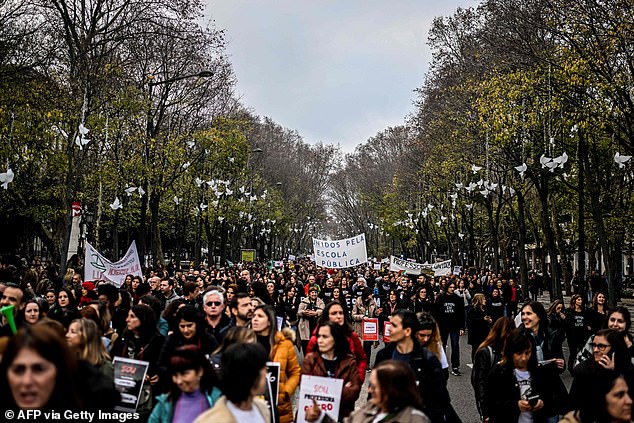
207 334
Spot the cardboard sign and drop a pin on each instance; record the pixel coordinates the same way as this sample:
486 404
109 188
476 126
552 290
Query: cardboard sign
341 253
370 329
129 376
325 391
387 327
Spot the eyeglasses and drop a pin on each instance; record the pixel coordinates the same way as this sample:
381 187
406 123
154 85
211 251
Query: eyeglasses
213 304
600 347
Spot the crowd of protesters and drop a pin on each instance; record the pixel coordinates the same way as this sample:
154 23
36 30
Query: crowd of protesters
208 332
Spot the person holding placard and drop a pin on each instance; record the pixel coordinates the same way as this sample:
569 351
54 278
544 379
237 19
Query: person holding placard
364 308
334 312
432 384
395 398
332 358
279 344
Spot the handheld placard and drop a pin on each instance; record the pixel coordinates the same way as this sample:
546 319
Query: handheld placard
8 313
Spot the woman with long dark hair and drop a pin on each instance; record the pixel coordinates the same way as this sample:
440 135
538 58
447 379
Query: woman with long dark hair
488 354
335 312
609 354
193 387
423 300
535 320
331 357
190 330
141 341
478 323
577 328
279 344
517 389
42 348
394 397
64 310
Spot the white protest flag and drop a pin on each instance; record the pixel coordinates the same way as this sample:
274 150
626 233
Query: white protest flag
441 268
410 267
97 267
341 253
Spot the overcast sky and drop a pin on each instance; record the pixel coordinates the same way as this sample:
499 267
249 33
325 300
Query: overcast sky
337 71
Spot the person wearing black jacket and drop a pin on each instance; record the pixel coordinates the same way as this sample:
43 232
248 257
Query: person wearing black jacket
449 313
432 384
478 323
518 385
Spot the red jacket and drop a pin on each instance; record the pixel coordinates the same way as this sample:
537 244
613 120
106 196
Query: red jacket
313 365
356 348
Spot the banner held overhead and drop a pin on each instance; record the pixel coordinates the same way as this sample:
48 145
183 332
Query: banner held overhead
97 267
340 254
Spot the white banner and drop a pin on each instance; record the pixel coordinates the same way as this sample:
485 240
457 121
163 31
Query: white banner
441 268
410 268
325 391
97 267
341 253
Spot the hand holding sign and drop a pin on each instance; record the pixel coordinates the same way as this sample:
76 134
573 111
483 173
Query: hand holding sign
313 412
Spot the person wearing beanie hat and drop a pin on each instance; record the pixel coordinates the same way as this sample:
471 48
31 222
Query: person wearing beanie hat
88 294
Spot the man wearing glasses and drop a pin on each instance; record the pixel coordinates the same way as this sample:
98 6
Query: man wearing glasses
216 319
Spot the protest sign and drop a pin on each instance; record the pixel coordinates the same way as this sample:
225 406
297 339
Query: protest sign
129 376
370 329
97 267
457 270
247 256
325 391
291 257
409 267
340 254
441 268
387 327
377 266
273 373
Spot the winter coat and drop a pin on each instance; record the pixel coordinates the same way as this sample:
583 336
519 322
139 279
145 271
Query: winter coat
220 412
304 323
163 411
478 328
484 361
502 392
283 352
356 348
430 379
368 413
361 310
313 365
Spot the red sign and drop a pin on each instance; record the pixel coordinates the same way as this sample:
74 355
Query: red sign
387 327
370 329
76 208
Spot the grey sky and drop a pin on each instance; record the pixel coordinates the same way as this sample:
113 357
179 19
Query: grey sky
337 71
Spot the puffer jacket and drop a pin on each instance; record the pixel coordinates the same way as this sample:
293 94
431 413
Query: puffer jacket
283 352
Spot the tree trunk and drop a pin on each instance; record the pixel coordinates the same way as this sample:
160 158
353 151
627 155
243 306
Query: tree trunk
549 237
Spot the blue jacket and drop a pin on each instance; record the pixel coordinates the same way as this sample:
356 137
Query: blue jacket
163 411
